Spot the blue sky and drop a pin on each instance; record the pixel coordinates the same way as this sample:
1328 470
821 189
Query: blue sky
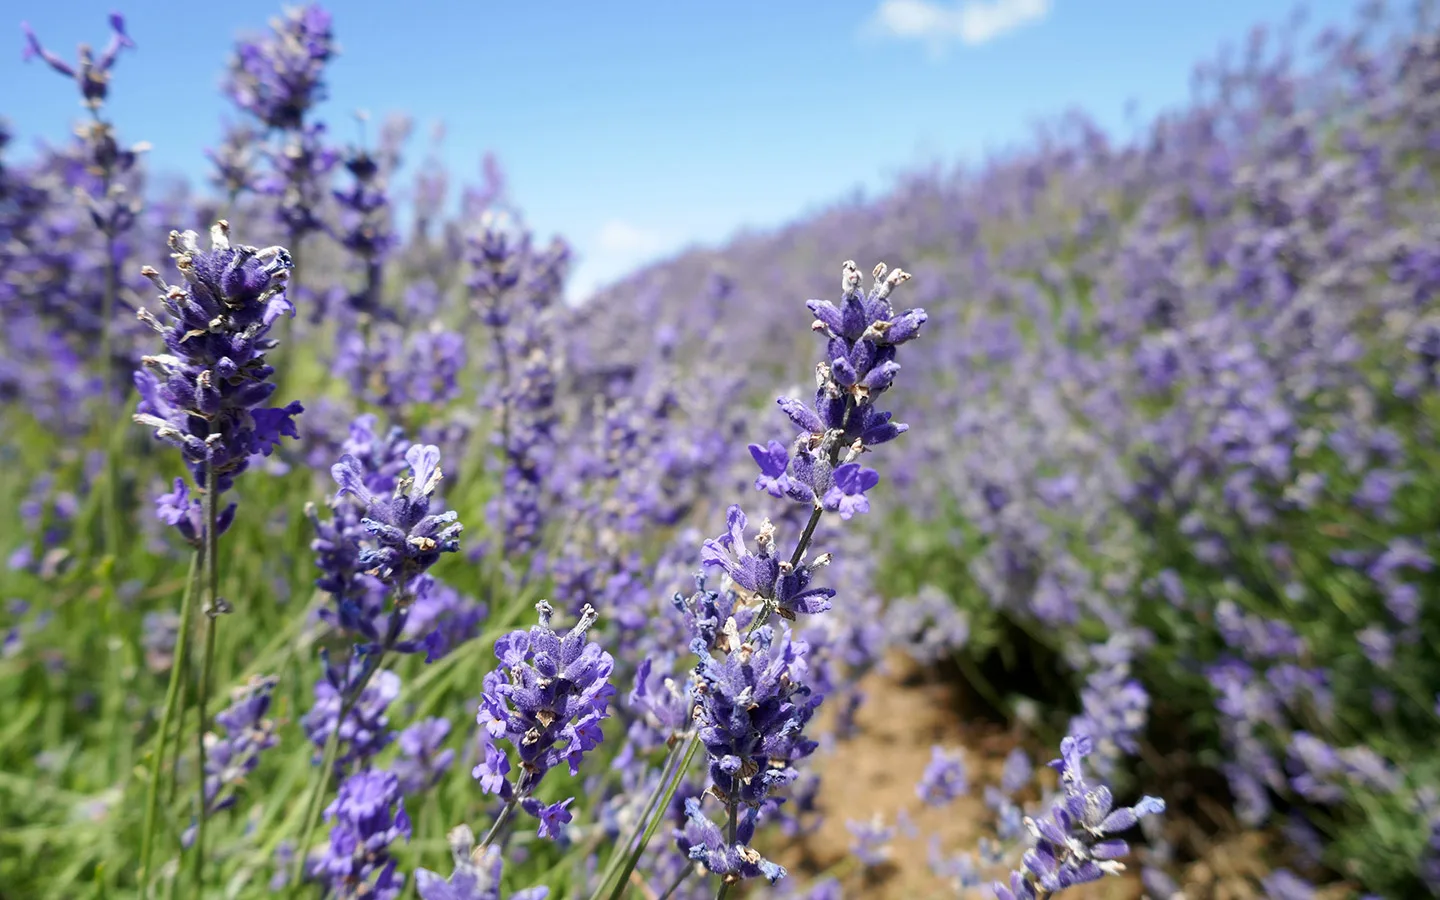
637 128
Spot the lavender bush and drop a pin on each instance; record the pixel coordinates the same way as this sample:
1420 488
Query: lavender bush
1168 505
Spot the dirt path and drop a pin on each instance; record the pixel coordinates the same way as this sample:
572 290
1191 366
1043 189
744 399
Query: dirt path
875 771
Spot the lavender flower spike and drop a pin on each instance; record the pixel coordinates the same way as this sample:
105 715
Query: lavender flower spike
1074 844
547 699
862 336
205 394
369 815
407 538
92 74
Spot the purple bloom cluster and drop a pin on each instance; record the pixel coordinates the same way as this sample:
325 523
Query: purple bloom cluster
367 816
205 394
944 777
1077 841
751 708
229 759
91 73
366 728
863 333
278 79
514 289
404 538
547 699
423 761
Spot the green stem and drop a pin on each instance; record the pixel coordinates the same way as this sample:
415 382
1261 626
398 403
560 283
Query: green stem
656 815
172 696
500 821
612 865
212 615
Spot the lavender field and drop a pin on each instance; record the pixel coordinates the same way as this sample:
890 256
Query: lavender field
347 558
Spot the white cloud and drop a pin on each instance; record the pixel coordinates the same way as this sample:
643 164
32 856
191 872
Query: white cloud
623 239
617 249
972 22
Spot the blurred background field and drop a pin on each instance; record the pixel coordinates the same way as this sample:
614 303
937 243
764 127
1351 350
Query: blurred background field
1170 480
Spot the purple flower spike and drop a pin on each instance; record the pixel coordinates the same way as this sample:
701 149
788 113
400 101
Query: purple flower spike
206 394
280 78
423 761
1075 842
944 778
732 862
368 815
751 714
762 573
404 538
91 73
547 699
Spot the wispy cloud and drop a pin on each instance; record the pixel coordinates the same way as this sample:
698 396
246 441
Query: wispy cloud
617 249
971 22
623 239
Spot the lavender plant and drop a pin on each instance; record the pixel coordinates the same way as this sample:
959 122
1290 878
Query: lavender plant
1174 499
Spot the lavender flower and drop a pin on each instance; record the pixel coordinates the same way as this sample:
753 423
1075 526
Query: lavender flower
734 860
229 759
751 710
423 761
863 334
365 731
1075 842
944 777
91 73
368 815
205 395
514 290
280 78
870 840
763 574
405 539
547 699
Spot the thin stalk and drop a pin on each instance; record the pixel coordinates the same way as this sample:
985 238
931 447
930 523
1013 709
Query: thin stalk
212 615
732 811
500 821
502 359
172 696
612 865
690 746
113 530
183 661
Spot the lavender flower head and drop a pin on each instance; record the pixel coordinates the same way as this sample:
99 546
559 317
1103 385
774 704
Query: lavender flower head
405 538
423 760
862 335
278 79
205 394
229 759
547 699
944 778
1075 843
368 815
90 72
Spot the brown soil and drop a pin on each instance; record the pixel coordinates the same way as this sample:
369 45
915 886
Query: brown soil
874 772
